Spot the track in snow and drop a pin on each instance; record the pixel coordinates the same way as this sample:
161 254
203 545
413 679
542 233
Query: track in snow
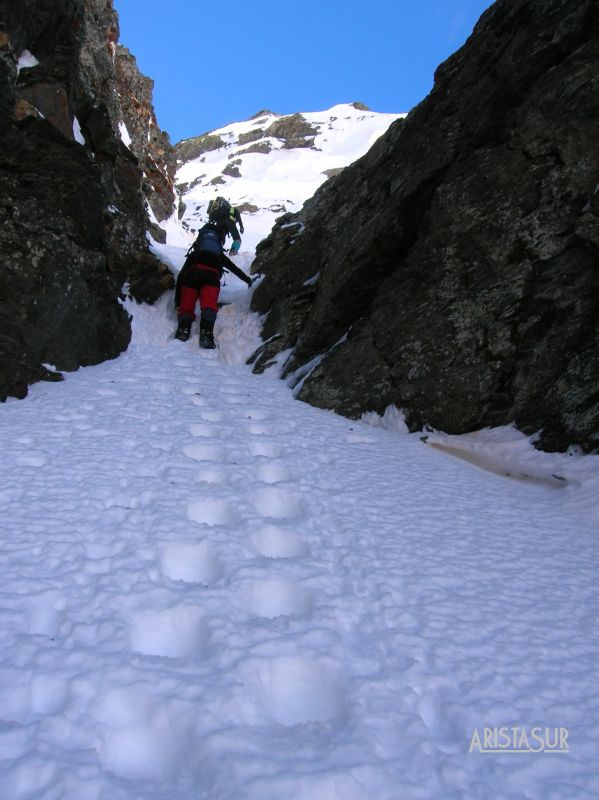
210 590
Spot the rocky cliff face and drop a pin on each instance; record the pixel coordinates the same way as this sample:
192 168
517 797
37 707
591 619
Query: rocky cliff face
150 144
454 269
72 216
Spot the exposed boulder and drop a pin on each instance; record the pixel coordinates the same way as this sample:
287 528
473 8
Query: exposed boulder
259 147
251 136
294 130
148 278
186 187
454 270
188 149
232 169
247 208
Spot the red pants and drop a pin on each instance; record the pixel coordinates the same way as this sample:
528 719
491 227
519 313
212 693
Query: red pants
202 283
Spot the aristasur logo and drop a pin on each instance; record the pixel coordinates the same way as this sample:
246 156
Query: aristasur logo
520 739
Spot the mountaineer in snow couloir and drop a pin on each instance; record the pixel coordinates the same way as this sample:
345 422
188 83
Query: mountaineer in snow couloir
199 279
223 213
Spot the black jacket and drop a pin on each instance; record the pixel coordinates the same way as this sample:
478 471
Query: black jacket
220 263
237 218
226 217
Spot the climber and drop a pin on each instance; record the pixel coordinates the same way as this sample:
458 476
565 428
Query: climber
222 212
236 217
200 279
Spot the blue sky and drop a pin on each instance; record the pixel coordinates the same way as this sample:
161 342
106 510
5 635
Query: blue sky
218 62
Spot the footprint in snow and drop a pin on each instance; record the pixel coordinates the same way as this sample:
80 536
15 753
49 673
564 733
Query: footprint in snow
47 614
272 472
213 475
258 414
259 429
277 503
143 737
193 562
177 632
267 449
274 598
292 690
212 416
201 429
49 692
205 451
271 541
32 459
213 512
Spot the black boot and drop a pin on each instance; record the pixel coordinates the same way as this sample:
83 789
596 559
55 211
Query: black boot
207 340
183 330
207 329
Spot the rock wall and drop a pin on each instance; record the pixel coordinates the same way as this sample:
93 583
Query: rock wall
454 270
72 216
150 144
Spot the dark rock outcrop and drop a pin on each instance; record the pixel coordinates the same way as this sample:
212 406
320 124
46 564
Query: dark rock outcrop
294 130
232 169
260 147
251 136
72 217
265 112
188 149
454 270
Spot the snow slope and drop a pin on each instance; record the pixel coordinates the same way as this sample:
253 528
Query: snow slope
210 591
275 182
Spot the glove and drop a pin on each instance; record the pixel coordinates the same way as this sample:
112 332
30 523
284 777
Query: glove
241 228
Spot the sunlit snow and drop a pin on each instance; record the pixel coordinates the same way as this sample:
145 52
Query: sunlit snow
26 59
211 590
124 133
275 182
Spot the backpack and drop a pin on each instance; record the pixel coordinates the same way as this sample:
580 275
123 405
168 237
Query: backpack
208 241
218 209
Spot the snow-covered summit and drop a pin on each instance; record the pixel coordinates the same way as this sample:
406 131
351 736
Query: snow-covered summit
268 165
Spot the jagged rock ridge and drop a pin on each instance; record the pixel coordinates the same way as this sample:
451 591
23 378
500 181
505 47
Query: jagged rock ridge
454 270
150 144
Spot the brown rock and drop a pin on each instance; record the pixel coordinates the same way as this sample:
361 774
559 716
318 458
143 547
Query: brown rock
51 100
23 110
